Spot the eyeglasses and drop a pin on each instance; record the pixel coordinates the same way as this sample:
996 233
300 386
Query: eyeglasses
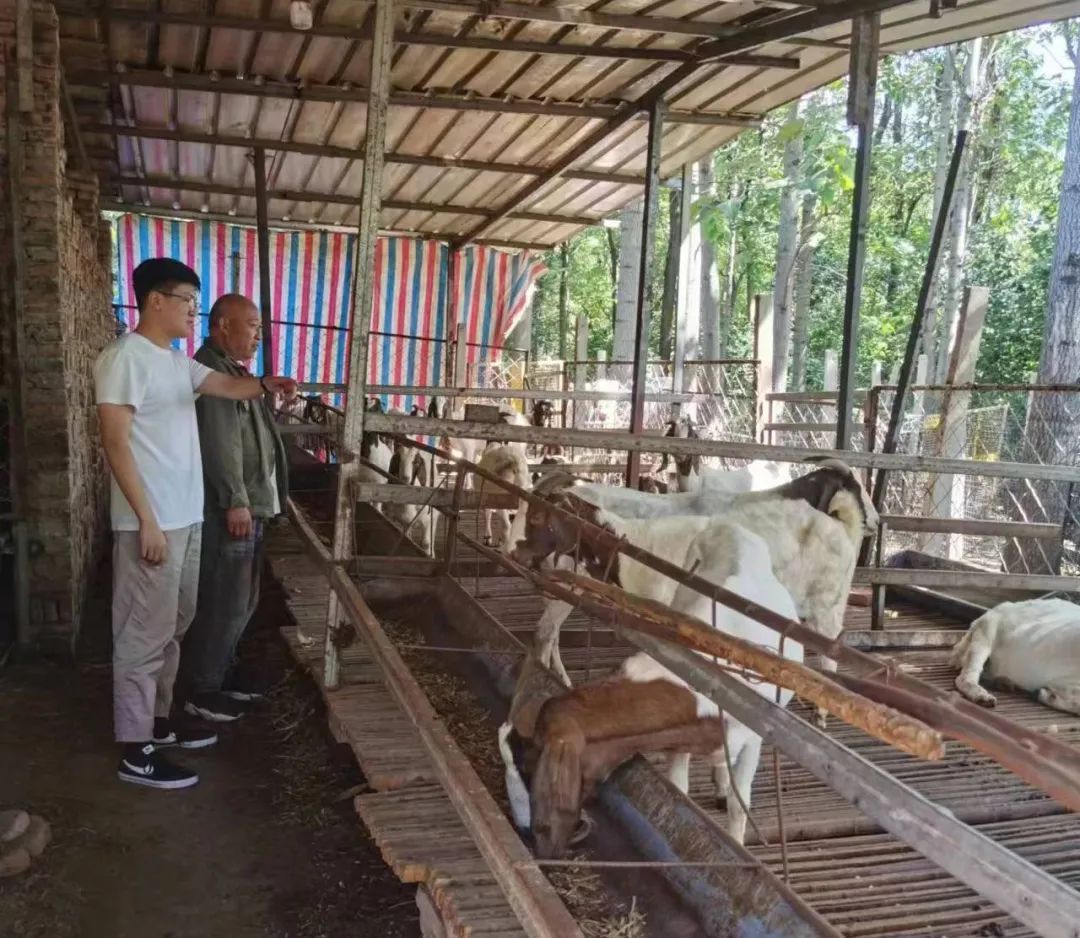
192 301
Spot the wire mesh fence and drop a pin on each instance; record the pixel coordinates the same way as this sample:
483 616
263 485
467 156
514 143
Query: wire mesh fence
1004 423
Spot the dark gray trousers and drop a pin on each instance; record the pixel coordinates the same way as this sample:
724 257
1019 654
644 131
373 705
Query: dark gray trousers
229 574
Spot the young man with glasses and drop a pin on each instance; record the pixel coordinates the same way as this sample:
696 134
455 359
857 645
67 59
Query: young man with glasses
146 394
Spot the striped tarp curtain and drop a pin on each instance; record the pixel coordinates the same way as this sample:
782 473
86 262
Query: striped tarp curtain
311 280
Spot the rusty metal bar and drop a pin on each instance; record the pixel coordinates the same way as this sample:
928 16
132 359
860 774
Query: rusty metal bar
263 235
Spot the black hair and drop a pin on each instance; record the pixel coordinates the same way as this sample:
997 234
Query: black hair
161 274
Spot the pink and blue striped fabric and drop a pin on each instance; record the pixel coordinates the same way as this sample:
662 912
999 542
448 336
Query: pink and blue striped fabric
311 281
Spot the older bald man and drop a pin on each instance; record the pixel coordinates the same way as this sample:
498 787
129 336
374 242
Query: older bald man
245 474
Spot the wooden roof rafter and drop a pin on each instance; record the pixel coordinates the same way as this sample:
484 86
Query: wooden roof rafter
362 32
482 117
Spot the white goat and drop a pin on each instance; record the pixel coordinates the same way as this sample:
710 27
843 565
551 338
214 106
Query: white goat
693 476
721 552
812 526
507 461
627 503
1033 646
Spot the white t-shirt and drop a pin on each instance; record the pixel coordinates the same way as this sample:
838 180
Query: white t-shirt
161 385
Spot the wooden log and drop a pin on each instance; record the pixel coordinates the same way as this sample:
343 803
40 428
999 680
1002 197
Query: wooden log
890 726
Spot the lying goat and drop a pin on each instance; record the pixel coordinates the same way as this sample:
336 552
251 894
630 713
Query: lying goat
717 550
1033 646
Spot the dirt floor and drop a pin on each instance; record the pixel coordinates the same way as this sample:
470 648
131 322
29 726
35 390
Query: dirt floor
266 845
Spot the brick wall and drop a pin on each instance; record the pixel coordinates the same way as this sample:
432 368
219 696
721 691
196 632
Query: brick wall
66 320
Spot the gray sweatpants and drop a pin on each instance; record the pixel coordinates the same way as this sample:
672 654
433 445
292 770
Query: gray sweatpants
152 609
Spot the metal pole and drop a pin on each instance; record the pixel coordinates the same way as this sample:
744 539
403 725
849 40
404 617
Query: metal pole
382 47
903 381
641 329
864 55
263 234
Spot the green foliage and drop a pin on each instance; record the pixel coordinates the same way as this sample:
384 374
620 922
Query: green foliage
1018 153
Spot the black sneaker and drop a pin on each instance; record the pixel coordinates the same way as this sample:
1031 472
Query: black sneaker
217 707
186 736
148 767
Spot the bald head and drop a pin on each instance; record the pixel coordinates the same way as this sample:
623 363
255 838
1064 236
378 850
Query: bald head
235 326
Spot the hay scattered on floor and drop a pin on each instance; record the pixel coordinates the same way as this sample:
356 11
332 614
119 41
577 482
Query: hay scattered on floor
307 787
598 912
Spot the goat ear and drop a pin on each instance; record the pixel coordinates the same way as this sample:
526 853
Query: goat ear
557 783
828 485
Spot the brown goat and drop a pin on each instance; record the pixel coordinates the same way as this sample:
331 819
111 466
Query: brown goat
582 736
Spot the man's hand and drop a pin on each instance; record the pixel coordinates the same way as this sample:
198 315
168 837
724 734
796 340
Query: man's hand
239 524
278 385
153 548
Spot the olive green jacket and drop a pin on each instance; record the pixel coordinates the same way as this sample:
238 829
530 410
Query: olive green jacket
242 450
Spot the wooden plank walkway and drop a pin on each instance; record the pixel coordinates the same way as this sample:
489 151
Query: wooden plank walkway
410 817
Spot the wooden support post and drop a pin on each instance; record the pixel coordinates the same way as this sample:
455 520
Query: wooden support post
363 295
581 355
601 364
865 34
763 352
263 235
688 292
875 374
948 492
643 319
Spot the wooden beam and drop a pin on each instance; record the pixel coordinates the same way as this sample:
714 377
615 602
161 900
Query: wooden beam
362 300
530 895
348 153
576 16
957 579
446 40
161 211
974 528
606 439
287 195
643 318
186 81
533 394
262 234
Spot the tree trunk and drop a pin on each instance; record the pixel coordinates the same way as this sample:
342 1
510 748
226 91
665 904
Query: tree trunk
712 328
958 223
613 270
901 217
564 299
626 310
1052 428
786 244
671 274
804 271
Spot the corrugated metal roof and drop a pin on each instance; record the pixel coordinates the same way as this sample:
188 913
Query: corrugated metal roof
195 88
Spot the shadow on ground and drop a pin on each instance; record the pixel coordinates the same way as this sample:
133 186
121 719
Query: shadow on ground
266 845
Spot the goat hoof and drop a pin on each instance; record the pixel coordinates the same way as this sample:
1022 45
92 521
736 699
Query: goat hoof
584 828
